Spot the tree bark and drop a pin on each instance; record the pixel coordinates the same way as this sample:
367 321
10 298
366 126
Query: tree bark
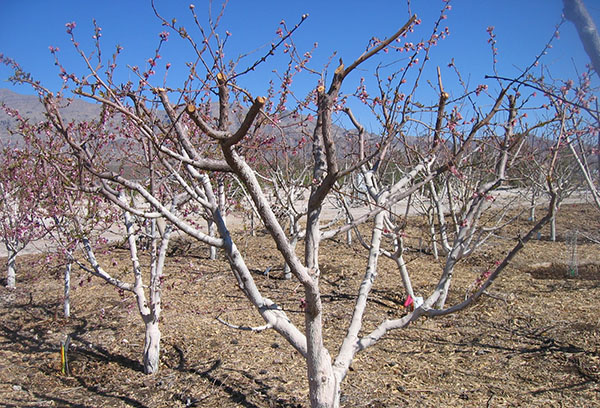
553 229
151 347
532 203
448 273
212 250
321 380
349 232
432 234
287 271
11 269
67 290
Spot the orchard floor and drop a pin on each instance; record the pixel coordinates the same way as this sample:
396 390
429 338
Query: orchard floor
533 341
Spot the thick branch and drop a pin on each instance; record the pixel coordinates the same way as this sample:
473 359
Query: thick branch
440 113
576 12
215 134
248 120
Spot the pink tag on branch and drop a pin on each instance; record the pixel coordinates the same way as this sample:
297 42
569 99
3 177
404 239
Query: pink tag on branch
409 301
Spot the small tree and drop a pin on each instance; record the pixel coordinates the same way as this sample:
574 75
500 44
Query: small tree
81 213
76 215
21 218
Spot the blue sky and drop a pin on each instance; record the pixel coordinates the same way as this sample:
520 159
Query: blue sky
522 28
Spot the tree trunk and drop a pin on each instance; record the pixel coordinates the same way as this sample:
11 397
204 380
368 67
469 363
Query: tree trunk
322 383
252 227
321 380
433 234
446 280
222 199
405 276
349 232
448 272
67 290
152 347
532 203
211 231
294 231
553 229
11 271
287 271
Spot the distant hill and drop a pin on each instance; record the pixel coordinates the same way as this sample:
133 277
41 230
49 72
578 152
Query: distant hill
79 110
30 107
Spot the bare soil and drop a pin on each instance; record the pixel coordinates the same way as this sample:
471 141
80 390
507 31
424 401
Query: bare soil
533 341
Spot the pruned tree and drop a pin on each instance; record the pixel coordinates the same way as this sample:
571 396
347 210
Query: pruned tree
575 109
90 140
189 148
77 212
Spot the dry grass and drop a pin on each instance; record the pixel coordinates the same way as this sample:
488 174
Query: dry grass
535 341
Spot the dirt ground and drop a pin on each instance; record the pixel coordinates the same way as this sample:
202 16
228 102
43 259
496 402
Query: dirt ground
534 340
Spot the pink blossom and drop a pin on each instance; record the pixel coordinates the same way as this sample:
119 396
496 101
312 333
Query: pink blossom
70 26
480 88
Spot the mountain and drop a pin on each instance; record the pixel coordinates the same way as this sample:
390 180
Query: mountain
79 110
30 107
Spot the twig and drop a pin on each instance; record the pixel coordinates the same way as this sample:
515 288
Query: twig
245 328
538 88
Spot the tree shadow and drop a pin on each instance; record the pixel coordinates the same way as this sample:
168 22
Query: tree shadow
31 335
28 343
235 395
42 397
532 342
96 390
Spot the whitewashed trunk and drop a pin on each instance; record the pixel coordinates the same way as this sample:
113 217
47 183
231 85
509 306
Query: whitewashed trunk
349 232
322 383
287 271
446 288
222 199
553 229
532 203
212 249
432 233
67 290
11 268
152 347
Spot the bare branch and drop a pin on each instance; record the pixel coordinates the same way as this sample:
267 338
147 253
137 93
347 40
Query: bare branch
245 328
